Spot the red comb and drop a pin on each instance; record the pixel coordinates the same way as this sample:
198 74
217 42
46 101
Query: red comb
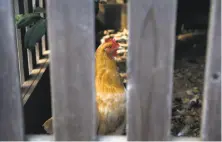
110 39
115 44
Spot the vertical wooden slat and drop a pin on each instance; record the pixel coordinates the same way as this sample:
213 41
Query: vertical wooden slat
26 4
211 120
19 45
42 3
150 68
11 118
29 54
45 38
37 48
71 45
24 50
39 45
33 52
25 55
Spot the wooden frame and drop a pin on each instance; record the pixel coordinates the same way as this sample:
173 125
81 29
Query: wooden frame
150 69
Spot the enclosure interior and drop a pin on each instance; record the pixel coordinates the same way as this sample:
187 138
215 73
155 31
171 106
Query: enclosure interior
192 18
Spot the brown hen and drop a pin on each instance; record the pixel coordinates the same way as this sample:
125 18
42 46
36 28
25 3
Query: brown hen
110 92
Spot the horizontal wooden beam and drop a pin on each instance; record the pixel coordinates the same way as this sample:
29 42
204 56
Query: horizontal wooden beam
104 138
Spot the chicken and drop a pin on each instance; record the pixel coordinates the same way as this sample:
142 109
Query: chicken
110 92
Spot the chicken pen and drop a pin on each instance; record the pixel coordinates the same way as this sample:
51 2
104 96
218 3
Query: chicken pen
164 78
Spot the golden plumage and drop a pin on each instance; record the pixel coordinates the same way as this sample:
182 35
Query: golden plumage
110 93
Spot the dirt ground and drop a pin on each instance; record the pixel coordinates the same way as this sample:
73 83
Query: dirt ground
187 97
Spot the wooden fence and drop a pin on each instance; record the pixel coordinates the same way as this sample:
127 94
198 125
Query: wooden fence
150 72
32 64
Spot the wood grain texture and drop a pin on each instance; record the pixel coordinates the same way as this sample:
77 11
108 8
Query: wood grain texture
39 48
43 4
31 53
150 68
211 120
11 116
19 46
71 36
20 38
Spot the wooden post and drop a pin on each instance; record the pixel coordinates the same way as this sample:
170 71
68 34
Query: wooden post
71 36
150 69
11 116
211 120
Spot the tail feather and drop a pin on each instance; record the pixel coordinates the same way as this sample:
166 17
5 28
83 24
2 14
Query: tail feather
48 126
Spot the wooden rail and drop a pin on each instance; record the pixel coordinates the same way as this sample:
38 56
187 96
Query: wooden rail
150 69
